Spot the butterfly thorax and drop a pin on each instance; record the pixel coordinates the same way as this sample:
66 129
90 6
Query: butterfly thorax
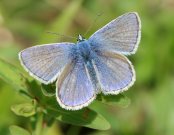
84 50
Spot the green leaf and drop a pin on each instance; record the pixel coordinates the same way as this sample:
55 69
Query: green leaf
84 117
48 90
25 94
15 130
35 90
116 100
25 109
12 75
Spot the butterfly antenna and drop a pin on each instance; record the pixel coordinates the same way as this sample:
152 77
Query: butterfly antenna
62 35
92 24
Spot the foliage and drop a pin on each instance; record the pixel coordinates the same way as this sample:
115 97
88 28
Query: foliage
43 103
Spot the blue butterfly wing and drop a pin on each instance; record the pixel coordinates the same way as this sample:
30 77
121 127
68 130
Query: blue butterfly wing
45 62
121 35
74 87
114 72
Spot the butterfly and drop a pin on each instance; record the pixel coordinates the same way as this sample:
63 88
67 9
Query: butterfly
90 66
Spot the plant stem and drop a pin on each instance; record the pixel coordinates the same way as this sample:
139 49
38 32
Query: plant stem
39 125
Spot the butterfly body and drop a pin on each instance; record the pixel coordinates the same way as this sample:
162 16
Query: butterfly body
84 54
90 66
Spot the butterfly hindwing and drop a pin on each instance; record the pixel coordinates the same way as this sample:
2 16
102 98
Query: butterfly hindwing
74 87
45 62
121 35
114 72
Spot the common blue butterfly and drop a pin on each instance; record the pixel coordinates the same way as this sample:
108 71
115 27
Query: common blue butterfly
88 67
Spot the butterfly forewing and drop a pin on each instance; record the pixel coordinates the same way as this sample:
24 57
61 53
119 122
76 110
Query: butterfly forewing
74 87
45 62
121 35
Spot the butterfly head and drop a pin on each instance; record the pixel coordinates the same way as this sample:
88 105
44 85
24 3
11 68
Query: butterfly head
80 38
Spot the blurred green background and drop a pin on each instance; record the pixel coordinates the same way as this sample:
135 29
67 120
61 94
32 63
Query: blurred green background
25 23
